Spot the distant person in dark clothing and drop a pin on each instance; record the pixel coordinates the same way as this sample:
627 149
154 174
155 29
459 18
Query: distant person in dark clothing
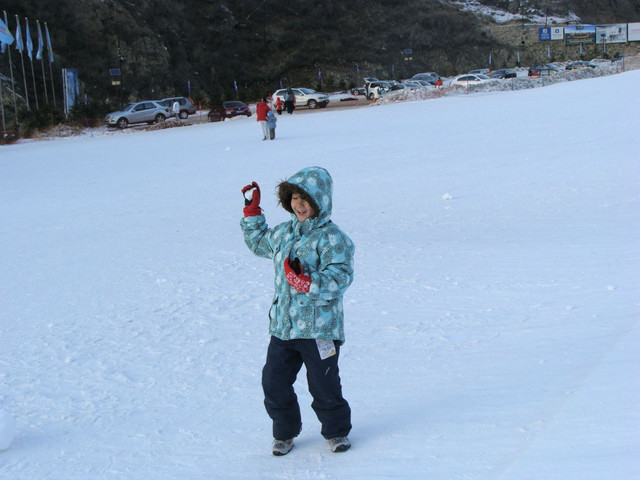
289 101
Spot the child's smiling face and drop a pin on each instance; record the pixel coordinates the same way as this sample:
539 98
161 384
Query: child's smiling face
301 207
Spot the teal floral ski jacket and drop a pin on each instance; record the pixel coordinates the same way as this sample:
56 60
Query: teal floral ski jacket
326 255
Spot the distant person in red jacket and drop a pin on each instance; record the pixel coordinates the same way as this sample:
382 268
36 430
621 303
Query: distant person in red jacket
278 105
261 116
438 82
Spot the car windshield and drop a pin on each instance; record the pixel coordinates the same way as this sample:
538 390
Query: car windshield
233 104
484 77
307 90
129 107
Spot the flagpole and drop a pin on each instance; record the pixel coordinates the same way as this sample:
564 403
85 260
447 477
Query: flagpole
40 52
4 128
50 52
13 84
30 51
53 91
24 75
44 82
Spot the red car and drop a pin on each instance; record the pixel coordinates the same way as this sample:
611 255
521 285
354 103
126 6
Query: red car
230 109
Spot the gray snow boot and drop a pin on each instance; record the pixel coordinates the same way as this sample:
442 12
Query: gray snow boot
339 444
281 447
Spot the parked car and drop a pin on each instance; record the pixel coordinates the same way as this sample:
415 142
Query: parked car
186 106
415 84
579 64
542 70
479 71
305 97
230 109
421 83
148 111
397 86
503 73
430 77
377 89
467 79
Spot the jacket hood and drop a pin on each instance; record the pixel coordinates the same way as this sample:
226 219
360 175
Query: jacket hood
318 184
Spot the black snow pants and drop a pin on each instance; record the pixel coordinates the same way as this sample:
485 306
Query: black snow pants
284 360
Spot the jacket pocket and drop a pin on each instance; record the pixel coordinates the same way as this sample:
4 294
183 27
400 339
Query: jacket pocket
320 308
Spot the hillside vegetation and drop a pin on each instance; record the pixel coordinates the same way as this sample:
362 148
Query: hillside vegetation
201 47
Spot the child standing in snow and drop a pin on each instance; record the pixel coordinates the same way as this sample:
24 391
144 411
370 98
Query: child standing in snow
271 123
176 110
313 262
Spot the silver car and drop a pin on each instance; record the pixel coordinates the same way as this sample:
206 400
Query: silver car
138 112
186 106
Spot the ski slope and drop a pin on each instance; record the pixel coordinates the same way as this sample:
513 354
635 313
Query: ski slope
492 327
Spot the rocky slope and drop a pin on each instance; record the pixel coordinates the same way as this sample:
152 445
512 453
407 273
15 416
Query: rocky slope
201 47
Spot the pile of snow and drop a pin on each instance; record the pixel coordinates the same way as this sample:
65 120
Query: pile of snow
492 328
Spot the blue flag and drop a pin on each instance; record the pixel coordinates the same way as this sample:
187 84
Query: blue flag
5 35
19 45
29 42
319 75
40 42
49 49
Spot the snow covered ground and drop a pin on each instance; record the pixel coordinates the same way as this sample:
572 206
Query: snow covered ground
492 329
499 15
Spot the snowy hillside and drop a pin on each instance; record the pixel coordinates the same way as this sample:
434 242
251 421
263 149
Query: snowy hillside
492 328
502 16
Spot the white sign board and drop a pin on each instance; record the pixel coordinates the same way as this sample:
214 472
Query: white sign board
633 32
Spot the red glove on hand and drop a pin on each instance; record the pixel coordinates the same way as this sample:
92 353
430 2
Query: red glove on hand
251 195
295 276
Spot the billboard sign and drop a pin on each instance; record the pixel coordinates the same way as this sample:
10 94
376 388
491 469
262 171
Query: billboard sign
71 88
550 33
557 33
633 32
580 35
612 33
544 34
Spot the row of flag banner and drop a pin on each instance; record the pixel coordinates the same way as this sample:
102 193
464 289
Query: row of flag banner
6 38
23 42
